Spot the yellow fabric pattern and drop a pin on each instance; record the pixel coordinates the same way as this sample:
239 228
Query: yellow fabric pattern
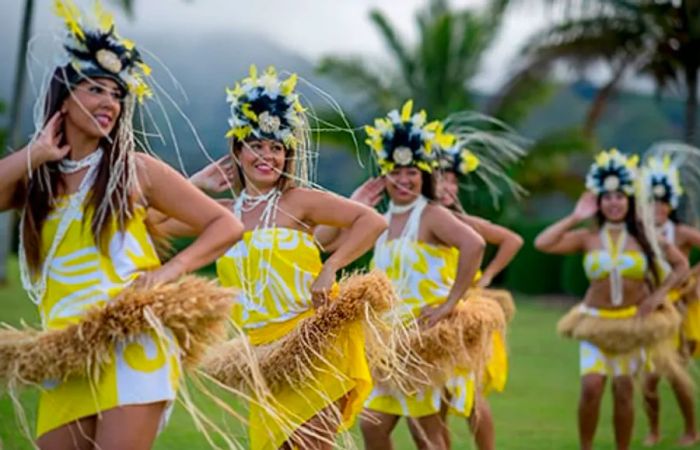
274 269
691 326
496 372
143 370
594 360
422 274
598 264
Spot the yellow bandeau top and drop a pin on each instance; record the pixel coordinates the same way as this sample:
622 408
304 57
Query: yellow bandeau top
598 264
422 274
80 275
273 268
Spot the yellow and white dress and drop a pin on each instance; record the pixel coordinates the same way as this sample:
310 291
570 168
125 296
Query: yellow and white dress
141 371
612 261
273 268
422 275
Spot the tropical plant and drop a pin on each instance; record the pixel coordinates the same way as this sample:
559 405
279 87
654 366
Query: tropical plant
436 72
659 39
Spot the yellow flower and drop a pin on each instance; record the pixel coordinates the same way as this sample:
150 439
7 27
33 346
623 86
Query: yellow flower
69 12
406 111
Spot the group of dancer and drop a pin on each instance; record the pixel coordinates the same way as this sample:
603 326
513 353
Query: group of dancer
420 335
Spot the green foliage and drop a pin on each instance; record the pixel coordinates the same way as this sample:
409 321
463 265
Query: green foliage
573 279
435 72
659 39
533 272
551 163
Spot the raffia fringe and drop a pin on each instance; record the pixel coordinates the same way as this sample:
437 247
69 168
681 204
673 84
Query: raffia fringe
196 310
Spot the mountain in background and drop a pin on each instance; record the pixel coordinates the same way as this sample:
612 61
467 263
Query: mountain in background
205 64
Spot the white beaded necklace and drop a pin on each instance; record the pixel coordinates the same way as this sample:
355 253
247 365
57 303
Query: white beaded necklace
36 289
69 166
246 202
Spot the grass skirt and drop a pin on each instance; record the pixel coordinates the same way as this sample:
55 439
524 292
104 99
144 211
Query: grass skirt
428 358
654 333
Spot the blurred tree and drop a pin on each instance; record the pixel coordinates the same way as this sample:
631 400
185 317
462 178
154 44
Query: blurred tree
659 39
436 72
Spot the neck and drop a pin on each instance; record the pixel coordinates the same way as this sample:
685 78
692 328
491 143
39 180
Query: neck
255 190
80 144
615 225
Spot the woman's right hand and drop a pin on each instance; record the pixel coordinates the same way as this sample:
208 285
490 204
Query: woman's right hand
586 207
370 192
216 177
47 147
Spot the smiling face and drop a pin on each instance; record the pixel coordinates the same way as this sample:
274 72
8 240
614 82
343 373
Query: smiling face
447 188
93 107
404 184
262 162
614 206
662 211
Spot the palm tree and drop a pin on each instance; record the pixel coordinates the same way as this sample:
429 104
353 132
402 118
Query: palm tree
435 72
659 39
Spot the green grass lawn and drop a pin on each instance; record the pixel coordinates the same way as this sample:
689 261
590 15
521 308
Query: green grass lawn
537 411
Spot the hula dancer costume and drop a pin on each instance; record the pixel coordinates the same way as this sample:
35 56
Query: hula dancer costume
103 344
616 341
662 177
476 151
294 361
422 275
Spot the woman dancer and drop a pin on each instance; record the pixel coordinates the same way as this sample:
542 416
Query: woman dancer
620 308
83 191
663 180
286 289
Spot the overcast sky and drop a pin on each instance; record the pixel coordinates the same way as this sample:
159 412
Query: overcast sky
311 28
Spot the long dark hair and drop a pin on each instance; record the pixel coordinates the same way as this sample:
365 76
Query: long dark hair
634 228
429 185
38 202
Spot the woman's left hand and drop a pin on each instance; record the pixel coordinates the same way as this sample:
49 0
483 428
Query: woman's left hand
650 304
430 315
171 271
321 287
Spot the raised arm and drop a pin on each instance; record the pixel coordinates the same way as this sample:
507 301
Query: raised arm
15 168
508 243
362 226
170 193
452 232
369 194
679 272
560 237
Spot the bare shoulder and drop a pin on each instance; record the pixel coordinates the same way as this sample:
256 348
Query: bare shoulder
433 212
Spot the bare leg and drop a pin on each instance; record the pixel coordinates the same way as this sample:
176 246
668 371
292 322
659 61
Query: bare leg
651 407
319 432
133 427
376 429
78 435
428 432
592 387
623 410
481 425
687 407
444 409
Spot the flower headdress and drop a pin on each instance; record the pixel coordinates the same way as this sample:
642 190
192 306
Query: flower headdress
94 49
405 139
266 107
612 171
